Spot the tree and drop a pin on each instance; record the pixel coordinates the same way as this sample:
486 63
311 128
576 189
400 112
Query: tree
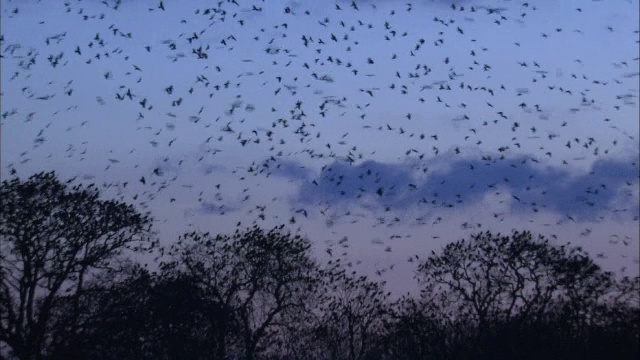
134 314
109 320
499 277
416 331
52 238
265 280
353 315
513 294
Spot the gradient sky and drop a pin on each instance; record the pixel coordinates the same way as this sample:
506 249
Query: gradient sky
398 126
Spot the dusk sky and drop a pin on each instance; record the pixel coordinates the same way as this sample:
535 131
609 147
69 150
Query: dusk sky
379 129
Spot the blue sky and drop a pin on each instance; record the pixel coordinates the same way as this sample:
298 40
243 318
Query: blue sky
398 125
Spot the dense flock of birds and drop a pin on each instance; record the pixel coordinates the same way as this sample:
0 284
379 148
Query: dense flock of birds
406 109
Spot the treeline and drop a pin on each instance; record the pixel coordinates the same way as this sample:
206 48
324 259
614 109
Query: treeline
69 292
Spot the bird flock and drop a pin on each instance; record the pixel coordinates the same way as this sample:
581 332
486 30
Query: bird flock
335 118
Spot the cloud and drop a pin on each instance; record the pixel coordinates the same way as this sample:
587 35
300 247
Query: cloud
216 208
290 169
531 187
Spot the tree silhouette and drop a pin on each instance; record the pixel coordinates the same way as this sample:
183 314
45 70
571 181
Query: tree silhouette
354 312
517 290
416 331
138 315
111 315
503 277
265 280
52 238
66 293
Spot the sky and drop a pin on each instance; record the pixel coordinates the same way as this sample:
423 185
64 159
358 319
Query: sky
381 130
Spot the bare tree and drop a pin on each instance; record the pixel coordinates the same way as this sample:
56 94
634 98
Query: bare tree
416 331
135 314
499 286
51 238
354 315
498 277
265 280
